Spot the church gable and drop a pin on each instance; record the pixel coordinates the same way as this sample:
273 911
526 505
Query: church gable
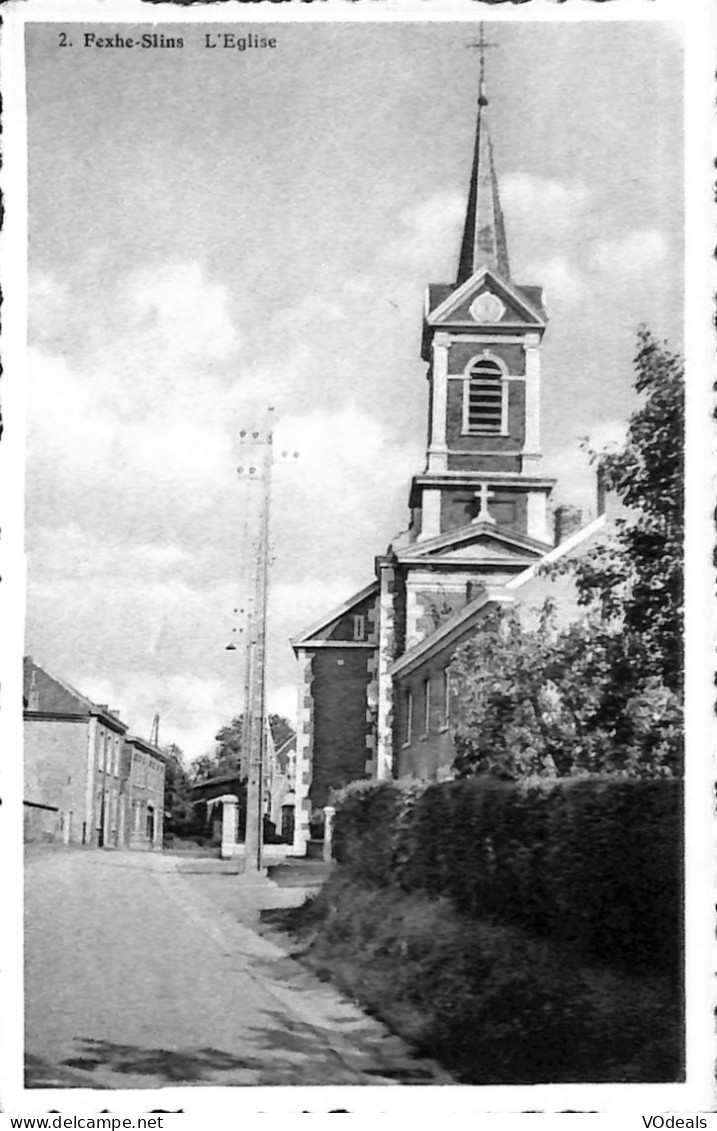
479 541
485 300
353 622
486 549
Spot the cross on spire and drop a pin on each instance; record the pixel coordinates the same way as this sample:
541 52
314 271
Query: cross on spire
482 45
484 495
484 243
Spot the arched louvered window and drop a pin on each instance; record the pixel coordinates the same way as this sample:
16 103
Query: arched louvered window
484 408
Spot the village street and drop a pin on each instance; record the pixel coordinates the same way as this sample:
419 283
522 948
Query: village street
142 970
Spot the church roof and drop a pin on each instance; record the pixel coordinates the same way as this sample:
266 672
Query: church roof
484 242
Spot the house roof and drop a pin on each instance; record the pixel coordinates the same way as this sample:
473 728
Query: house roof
145 747
58 699
211 788
565 548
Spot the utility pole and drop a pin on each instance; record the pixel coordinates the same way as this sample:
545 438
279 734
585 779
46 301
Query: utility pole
255 729
254 740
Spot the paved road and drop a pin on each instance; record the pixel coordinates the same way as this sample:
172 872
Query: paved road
139 975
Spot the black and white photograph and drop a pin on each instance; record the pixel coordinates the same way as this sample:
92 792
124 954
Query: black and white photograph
355 751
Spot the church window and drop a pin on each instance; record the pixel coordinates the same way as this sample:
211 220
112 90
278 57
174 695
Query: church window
484 406
426 706
446 697
408 706
359 627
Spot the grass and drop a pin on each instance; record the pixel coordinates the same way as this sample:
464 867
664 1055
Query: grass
494 1005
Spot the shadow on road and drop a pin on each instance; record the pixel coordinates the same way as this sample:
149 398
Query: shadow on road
289 1052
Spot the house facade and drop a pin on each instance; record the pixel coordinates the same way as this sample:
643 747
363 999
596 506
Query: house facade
76 773
142 794
374 694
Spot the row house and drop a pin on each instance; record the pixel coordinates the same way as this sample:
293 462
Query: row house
82 770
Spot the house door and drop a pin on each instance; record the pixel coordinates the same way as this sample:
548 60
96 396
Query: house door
287 822
150 824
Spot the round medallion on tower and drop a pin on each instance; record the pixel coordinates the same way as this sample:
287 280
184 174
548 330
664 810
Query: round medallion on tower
487 308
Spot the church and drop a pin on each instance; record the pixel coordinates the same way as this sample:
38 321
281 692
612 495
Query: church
374 694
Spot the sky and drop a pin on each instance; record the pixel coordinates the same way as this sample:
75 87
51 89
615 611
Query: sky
213 232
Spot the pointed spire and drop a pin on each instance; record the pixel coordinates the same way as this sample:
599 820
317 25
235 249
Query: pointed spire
484 243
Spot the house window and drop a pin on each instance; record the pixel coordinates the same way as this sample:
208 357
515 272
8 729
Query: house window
408 701
426 706
484 407
359 628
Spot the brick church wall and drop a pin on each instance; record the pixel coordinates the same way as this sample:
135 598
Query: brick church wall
462 353
428 754
509 508
340 728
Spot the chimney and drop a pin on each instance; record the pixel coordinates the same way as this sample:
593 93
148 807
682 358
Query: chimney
112 711
567 521
33 699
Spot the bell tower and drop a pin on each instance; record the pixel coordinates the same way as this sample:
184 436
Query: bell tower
481 339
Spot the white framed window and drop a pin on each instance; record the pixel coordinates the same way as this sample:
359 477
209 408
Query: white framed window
446 697
359 627
408 708
426 705
485 398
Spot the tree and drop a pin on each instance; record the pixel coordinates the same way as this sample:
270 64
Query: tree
639 577
227 757
179 816
543 702
602 695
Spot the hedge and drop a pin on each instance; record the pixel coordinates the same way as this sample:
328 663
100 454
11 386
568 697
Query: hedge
593 862
496 1005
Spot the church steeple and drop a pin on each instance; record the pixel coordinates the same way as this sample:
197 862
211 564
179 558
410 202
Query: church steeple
481 339
484 243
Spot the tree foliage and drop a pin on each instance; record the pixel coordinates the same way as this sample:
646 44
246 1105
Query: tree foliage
639 577
603 694
179 816
227 756
544 702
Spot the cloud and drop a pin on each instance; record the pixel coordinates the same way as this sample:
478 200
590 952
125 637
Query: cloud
48 302
426 230
82 449
191 708
337 488
631 255
539 202
575 474
559 278
181 311
301 603
284 701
